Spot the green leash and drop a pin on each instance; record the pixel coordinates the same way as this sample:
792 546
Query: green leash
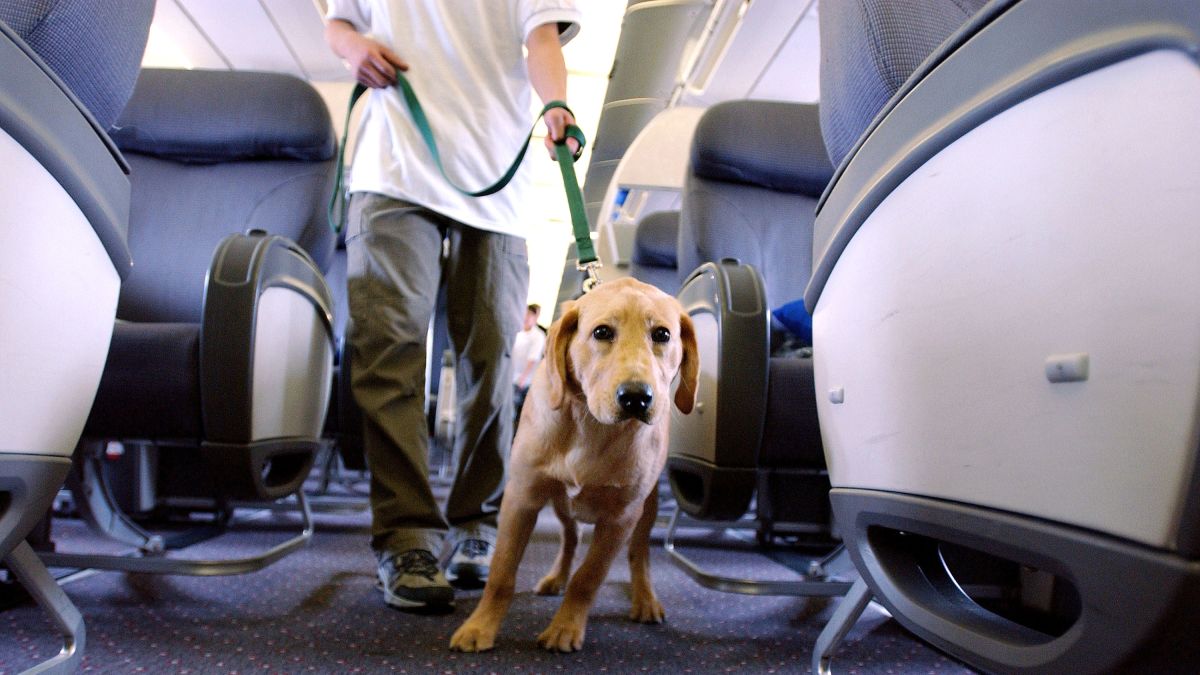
587 261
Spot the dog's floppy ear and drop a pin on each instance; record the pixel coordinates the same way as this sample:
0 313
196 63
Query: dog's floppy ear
556 355
689 368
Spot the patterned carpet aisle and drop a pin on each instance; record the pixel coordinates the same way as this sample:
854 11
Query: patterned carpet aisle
318 611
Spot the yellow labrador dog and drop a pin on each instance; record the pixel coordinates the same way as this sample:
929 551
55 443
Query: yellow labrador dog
592 440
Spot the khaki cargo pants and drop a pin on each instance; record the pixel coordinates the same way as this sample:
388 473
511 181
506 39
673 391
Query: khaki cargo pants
395 263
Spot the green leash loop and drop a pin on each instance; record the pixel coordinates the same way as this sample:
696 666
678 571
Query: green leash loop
566 163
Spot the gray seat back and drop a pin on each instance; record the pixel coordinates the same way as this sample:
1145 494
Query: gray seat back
868 49
655 251
215 153
95 46
756 171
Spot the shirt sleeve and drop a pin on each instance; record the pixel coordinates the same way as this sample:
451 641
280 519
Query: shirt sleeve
355 12
539 345
534 13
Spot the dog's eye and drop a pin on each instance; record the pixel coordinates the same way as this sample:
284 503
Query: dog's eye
660 334
603 333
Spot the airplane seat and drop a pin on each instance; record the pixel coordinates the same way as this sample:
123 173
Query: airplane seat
63 256
219 374
755 173
654 251
1012 178
756 170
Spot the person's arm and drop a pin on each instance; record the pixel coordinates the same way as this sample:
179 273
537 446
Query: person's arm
372 63
548 75
527 374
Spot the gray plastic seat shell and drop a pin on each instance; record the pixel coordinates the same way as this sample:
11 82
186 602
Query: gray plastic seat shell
72 148
978 73
1058 43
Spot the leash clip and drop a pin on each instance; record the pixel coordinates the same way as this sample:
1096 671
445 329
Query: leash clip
593 277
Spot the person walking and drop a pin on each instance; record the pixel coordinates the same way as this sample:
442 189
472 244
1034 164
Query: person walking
475 65
528 348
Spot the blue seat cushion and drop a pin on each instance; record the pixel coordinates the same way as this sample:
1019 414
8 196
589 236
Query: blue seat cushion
795 318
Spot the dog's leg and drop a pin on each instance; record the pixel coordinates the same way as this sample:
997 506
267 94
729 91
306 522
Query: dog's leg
566 629
646 608
518 515
556 579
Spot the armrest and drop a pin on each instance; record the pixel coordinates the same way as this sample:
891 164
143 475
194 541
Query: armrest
244 268
713 459
266 362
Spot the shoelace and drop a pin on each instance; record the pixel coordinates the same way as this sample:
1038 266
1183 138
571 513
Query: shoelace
475 548
418 562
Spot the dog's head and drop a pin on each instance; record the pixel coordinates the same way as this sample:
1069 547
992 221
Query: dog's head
622 345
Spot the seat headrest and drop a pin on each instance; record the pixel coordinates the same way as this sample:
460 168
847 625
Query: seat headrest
209 116
656 240
771 144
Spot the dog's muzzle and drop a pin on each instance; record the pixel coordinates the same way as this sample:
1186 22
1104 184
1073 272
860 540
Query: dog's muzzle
635 399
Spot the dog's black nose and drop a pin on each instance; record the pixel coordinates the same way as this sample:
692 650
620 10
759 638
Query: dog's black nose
635 398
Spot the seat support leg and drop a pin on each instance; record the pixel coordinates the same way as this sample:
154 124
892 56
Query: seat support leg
809 586
161 564
847 614
98 506
36 579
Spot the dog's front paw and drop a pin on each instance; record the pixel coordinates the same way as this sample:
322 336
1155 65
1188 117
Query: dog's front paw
562 637
647 609
551 584
472 636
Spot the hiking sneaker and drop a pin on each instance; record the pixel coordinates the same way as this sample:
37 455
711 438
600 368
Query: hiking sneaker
470 562
412 581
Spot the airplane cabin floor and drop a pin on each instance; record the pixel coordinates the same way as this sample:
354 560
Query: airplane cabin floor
319 611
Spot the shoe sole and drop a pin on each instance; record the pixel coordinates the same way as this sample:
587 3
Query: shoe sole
467 576
405 604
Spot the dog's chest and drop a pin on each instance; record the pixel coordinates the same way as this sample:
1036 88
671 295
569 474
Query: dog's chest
590 504
604 475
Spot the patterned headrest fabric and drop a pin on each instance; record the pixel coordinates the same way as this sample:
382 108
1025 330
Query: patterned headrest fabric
94 46
771 144
24 15
208 116
869 48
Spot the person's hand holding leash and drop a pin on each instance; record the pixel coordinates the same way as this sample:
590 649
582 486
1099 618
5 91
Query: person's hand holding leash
371 61
557 120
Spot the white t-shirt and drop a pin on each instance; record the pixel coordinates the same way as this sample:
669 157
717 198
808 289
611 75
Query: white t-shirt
527 348
467 66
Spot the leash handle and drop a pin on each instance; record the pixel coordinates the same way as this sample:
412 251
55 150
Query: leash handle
587 260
